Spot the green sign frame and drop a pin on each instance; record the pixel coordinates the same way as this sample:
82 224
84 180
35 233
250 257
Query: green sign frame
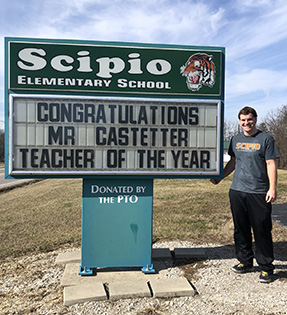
115 68
36 68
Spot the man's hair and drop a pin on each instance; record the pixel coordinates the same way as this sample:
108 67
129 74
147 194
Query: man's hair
247 110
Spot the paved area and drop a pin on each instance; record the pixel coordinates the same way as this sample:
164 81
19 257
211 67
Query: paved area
279 213
6 184
116 283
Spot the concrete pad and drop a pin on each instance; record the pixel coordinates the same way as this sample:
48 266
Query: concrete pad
120 284
71 276
161 254
171 287
128 289
84 293
196 253
69 257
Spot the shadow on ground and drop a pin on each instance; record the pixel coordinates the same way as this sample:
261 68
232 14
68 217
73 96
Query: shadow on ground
190 266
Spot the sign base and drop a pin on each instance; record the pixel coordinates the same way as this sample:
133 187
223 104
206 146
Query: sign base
116 224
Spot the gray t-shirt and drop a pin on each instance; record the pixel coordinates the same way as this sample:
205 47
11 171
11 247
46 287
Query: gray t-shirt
251 153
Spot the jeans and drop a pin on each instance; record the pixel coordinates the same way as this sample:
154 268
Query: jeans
251 212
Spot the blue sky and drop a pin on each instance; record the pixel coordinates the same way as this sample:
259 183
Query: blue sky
254 33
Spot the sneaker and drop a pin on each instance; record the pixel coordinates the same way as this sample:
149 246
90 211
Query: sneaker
241 268
265 277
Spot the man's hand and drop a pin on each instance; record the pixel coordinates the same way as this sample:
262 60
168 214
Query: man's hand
272 176
270 195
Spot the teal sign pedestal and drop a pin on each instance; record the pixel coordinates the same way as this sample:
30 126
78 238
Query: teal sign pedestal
116 224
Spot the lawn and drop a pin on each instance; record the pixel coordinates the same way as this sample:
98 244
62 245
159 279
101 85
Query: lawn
46 215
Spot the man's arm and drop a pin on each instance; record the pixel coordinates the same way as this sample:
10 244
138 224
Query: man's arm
228 169
271 194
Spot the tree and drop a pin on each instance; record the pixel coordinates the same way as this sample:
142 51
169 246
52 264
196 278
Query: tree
230 129
275 123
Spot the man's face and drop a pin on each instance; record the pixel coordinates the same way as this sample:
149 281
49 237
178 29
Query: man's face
248 124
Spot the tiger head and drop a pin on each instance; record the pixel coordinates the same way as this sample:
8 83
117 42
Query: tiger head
199 70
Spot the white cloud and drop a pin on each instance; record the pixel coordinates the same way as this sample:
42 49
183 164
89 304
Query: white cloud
246 5
248 34
263 104
163 21
256 80
251 30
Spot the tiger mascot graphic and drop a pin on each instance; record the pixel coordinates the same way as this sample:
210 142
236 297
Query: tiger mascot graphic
199 70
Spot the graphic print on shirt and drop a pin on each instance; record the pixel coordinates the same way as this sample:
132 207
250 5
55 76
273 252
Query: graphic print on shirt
245 146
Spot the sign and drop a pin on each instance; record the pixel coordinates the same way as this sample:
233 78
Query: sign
117 115
52 135
86 108
117 224
102 68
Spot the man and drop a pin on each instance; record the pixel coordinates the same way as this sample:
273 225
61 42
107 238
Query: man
253 155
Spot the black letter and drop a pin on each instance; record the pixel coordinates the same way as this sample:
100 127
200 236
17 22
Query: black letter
193 117
55 106
77 114
45 159
194 159
175 157
89 158
24 157
69 134
112 154
34 157
205 158
54 136
101 115
141 160
100 141
90 114
54 160
123 136
41 107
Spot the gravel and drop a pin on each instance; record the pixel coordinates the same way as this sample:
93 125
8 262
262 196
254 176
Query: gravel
31 284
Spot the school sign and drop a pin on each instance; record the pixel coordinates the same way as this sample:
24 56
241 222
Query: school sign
117 115
79 109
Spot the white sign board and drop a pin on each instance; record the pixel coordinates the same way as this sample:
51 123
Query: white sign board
62 135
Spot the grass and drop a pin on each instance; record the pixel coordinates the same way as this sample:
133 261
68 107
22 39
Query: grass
46 215
191 210
282 186
40 217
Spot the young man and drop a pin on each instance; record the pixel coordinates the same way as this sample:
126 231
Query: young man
253 155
